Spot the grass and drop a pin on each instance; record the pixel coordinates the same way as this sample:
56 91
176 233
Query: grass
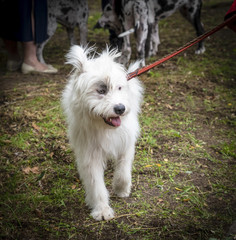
184 168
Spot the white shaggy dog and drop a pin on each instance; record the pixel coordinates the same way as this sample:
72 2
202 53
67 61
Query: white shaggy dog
102 109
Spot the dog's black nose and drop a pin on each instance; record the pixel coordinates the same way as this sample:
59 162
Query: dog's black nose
119 109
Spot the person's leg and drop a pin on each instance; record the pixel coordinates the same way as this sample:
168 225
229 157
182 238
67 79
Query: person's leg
30 49
13 57
30 58
12 50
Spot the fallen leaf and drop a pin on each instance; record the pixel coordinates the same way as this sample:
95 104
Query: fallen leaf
148 166
35 126
28 170
35 170
178 189
169 106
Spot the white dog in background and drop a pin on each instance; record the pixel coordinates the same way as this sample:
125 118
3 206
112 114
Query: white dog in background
102 109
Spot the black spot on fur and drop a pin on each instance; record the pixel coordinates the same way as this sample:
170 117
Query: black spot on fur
191 9
165 8
102 88
118 8
65 10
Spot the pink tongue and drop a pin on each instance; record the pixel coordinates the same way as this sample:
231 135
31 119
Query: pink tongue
116 121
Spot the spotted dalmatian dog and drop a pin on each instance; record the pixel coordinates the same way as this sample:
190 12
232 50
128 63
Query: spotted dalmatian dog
143 16
70 14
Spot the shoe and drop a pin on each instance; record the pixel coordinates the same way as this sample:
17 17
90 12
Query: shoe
51 67
13 65
25 68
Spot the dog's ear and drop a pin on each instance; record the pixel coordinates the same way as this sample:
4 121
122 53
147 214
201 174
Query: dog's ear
78 57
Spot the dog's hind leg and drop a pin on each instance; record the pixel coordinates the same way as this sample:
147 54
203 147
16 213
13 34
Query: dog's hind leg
39 53
154 39
71 36
200 30
83 31
122 175
193 15
97 197
52 26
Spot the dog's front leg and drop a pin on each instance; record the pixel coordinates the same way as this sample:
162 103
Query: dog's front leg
155 40
122 176
126 51
70 33
83 22
142 34
97 196
83 33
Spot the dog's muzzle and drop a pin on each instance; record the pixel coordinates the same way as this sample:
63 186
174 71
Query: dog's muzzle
113 121
119 109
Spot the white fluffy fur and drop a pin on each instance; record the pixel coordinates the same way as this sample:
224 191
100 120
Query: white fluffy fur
94 141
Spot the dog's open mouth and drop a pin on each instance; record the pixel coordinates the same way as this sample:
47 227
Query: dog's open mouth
113 121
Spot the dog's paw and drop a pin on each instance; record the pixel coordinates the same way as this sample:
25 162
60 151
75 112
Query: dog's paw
105 213
200 50
122 188
122 194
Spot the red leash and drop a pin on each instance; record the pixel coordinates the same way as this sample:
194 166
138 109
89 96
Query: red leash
140 71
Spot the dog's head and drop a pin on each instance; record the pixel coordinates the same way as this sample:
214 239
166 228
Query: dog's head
110 18
101 90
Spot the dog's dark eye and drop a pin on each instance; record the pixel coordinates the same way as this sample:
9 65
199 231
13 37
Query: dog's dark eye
119 88
102 89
